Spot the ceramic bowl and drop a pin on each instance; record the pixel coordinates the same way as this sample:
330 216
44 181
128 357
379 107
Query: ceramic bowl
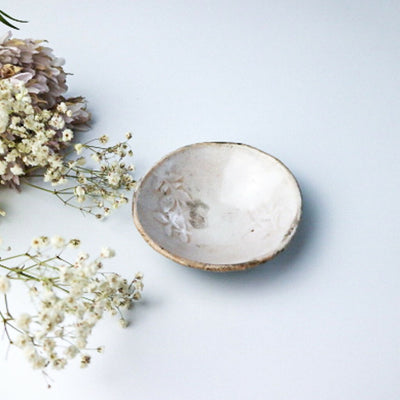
218 206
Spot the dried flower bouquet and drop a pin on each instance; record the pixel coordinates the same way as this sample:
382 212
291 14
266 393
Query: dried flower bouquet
37 126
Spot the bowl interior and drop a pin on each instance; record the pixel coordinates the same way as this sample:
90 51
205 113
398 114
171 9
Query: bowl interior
218 204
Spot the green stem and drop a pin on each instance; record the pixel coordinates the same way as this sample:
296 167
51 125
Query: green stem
38 187
66 261
39 262
12 257
3 19
32 277
6 303
12 18
5 323
20 272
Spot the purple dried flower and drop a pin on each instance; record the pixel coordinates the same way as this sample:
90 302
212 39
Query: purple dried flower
33 63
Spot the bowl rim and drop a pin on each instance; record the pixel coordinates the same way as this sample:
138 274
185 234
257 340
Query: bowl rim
198 264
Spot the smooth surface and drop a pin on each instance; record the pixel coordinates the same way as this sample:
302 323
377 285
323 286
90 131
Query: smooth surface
317 84
218 206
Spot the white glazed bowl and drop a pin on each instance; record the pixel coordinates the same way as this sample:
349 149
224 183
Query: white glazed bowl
218 206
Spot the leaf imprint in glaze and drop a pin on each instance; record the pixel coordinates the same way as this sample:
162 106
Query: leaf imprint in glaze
177 211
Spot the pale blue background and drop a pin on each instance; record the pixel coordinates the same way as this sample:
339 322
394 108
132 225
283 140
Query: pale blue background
315 83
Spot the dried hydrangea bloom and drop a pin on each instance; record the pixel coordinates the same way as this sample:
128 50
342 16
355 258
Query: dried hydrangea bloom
37 123
34 64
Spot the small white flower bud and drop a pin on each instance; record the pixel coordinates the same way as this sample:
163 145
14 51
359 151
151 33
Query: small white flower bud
4 284
78 148
57 241
123 323
106 252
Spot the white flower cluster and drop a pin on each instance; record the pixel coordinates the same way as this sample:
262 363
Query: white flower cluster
29 137
70 299
101 173
31 141
37 126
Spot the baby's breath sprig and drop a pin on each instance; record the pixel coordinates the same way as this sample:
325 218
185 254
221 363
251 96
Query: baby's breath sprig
70 297
93 178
